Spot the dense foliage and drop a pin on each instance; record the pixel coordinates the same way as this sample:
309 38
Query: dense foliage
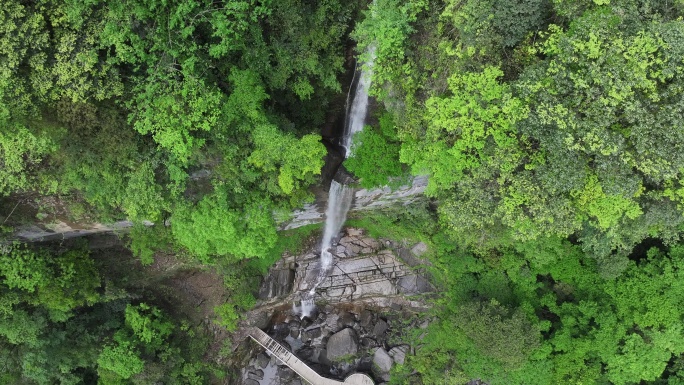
123 109
60 322
552 133
537 119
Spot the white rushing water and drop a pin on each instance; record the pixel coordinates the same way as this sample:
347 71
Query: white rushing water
340 196
356 114
339 201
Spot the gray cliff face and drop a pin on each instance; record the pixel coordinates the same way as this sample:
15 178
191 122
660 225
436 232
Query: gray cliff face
364 199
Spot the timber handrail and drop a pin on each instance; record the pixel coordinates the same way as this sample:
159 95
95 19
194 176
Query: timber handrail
298 366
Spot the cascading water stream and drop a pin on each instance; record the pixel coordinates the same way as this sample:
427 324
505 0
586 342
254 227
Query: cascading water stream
340 196
356 114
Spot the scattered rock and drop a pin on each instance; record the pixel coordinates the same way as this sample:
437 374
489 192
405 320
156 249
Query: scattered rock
380 328
262 360
382 363
285 373
346 320
371 243
365 364
310 334
365 318
256 375
419 249
352 232
342 343
398 354
367 343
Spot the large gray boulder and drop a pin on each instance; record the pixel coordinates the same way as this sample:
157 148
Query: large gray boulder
342 344
382 363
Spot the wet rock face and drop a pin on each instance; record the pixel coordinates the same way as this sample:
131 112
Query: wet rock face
364 199
278 284
338 342
377 271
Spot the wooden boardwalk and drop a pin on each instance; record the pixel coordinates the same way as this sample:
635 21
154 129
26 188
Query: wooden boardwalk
299 367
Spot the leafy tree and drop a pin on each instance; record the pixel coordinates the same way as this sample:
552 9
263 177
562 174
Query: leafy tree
21 153
148 324
171 109
214 228
121 360
375 154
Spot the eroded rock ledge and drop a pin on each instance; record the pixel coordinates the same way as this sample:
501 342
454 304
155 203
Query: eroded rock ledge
377 272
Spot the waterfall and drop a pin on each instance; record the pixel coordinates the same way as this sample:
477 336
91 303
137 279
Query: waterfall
356 114
339 201
340 196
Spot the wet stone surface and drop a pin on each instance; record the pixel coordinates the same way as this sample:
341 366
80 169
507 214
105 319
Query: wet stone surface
365 307
336 343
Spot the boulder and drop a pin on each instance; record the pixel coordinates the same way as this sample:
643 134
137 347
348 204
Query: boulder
382 363
346 319
380 328
285 373
295 343
419 249
341 344
274 361
311 334
262 360
398 354
256 374
365 318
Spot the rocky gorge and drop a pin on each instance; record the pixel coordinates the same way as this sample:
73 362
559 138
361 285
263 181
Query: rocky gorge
366 309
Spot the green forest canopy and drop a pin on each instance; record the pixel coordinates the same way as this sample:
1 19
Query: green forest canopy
551 130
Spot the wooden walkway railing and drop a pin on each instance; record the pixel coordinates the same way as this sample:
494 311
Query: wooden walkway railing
299 367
